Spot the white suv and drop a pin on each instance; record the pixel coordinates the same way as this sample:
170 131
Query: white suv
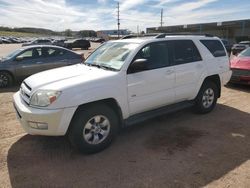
121 83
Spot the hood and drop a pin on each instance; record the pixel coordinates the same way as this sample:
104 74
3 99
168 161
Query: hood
64 77
240 63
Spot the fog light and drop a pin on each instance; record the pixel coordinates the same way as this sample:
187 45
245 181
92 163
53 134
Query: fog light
33 125
38 125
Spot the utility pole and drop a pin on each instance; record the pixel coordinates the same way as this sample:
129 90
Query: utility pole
161 17
118 19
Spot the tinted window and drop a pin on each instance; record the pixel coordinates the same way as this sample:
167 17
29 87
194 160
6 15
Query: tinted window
184 51
156 55
215 47
31 53
51 52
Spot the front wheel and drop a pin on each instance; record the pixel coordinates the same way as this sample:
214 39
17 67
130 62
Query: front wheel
207 98
93 128
5 79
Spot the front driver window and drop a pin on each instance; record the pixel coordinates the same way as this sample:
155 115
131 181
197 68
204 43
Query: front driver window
157 55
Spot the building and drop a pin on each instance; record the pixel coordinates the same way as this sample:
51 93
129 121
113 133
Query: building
112 34
233 31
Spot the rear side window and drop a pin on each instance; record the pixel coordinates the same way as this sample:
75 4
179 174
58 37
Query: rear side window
215 47
184 51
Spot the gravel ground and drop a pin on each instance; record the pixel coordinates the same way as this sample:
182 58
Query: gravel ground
178 150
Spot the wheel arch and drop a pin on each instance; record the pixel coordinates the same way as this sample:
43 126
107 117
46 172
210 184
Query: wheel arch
216 80
110 102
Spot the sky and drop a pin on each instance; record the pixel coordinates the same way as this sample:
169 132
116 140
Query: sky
96 15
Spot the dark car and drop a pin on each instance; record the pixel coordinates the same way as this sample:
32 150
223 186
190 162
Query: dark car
38 42
59 42
77 43
30 60
240 66
227 45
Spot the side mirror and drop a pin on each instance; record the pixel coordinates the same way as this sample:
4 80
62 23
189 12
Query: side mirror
19 58
138 65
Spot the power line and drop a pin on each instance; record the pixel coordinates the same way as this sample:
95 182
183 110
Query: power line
118 19
161 18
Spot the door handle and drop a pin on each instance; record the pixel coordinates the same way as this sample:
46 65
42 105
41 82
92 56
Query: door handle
39 62
168 72
199 66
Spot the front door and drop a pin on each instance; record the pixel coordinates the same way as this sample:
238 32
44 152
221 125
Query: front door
153 87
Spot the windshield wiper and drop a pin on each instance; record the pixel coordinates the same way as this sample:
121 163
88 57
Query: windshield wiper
108 68
100 66
92 65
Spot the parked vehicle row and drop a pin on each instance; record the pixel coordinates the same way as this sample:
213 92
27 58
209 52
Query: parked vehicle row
33 59
70 44
12 40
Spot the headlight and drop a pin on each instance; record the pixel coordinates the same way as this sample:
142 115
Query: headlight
44 98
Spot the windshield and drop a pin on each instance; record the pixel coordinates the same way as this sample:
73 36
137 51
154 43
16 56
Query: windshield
12 54
245 53
111 55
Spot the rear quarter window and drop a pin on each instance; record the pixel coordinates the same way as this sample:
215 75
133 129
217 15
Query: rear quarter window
184 51
215 47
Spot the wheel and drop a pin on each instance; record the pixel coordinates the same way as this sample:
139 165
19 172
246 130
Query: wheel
5 79
93 128
206 98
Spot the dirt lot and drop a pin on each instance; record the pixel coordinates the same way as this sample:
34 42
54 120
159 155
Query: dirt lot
178 150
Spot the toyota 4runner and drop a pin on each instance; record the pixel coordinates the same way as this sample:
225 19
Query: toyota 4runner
121 83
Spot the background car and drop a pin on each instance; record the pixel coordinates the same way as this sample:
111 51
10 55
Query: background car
240 65
30 60
59 42
227 45
77 43
237 48
38 42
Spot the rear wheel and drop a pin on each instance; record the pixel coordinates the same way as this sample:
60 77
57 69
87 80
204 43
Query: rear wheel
207 98
93 128
5 79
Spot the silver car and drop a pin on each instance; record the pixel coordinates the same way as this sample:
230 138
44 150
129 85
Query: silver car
30 60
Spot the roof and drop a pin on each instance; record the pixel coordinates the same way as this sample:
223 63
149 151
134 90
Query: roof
161 36
36 46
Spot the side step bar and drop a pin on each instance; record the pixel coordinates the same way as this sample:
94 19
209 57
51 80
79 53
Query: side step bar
144 116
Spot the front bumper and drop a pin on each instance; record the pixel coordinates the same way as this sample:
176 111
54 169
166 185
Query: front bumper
240 76
58 120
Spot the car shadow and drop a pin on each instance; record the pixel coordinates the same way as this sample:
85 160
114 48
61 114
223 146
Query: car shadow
177 150
239 87
14 88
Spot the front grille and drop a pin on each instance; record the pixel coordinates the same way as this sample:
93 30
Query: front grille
25 91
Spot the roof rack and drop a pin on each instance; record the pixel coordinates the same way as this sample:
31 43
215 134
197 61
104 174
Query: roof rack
163 35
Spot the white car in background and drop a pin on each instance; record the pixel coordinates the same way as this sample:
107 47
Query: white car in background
121 83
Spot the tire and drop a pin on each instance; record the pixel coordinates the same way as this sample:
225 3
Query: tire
93 128
6 79
206 98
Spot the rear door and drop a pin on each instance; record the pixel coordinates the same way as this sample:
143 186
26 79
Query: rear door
188 66
56 57
217 59
29 62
